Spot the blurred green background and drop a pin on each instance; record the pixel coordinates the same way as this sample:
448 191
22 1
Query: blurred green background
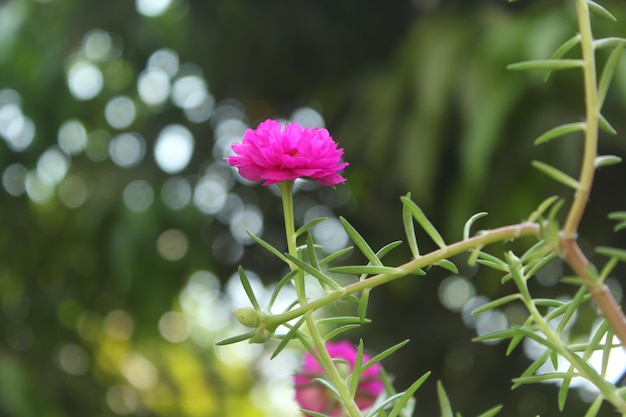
122 227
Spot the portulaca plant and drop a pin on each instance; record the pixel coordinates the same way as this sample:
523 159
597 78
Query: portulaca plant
339 379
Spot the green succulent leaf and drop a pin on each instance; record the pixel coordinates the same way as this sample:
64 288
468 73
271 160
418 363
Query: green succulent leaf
339 330
572 307
559 131
545 204
533 367
321 277
364 269
384 404
288 337
268 247
309 225
468 224
283 281
446 264
342 320
605 126
356 370
548 376
235 339
612 252
245 282
606 160
360 242
618 215
610 42
607 73
496 303
444 401
491 412
562 50
594 408
333 256
499 335
407 395
409 229
329 386
492 261
423 221
556 174
546 64
517 339
600 10
363 302
564 390
387 248
382 355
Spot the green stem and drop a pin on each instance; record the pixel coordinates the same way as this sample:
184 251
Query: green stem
607 389
591 115
286 190
350 406
570 250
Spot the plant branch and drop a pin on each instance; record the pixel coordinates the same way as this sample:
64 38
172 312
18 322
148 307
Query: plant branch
590 151
606 388
570 250
476 242
286 189
599 291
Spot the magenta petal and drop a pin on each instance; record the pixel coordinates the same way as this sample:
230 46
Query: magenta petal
275 154
314 396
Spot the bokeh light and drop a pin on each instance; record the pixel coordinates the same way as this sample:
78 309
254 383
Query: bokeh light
176 193
98 145
14 179
173 327
85 80
72 137
173 148
127 149
38 191
172 245
308 117
97 45
139 371
246 219
120 112
16 129
119 325
166 60
152 8
52 166
138 196
454 292
210 194
153 86
73 359
73 191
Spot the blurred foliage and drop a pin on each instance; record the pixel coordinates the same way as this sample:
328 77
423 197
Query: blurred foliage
101 319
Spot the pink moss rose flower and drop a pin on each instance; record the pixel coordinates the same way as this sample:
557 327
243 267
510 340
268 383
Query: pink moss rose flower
274 154
313 396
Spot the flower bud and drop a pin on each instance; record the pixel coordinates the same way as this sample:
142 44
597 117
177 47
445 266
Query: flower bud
248 316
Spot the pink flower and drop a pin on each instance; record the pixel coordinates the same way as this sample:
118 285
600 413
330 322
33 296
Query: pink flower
274 154
311 395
